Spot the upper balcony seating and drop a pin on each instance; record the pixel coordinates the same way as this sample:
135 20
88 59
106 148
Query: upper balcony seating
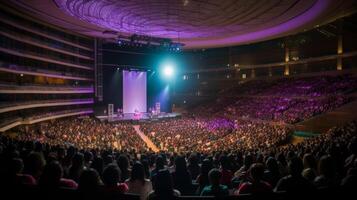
65 49
6 67
11 106
7 88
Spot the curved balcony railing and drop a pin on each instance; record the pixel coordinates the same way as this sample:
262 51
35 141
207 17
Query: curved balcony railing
8 106
38 89
44 44
5 67
13 122
37 56
19 24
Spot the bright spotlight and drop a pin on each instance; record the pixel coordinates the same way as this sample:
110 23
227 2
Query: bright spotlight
168 70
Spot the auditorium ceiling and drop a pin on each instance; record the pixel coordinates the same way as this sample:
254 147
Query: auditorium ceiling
196 23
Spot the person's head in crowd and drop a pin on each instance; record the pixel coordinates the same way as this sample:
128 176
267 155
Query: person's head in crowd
295 166
146 166
224 162
16 166
111 175
88 157
34 164
180 164
89 180
206 167
98 164
272 165
309 161
326 166
256 172
214 176
51 175
78 161
159 163
137 172
248 160
123 163
352 146
163 187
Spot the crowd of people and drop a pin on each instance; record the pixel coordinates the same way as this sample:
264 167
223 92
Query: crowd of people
283 100
205 135
234 145
314 86
282 109
326 161
85 133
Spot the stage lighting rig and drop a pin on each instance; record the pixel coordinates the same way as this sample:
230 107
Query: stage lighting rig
136 40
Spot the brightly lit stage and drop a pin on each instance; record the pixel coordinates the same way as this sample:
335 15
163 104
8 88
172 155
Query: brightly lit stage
137 117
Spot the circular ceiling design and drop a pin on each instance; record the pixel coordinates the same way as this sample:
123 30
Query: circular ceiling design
196 23
185 18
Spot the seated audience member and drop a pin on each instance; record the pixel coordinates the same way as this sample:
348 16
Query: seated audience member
350 181
256 185
163 188
282 163
227 174
271 174
241 173
52 177
181 177
89 181
202 178
215 188
111 177
34 164
159 165
137 182
98 165
193 166
294 182
123 163
88 158
77 167
327 173
15 176
350 160
309 171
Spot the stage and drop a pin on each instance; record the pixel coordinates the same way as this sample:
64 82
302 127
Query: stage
137 117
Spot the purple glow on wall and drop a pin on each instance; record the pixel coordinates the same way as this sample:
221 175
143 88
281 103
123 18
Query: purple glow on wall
134 91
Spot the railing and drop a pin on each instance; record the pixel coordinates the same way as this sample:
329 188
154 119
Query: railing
48 58
8 106
35 71
16 23
63 112
13 122
41 43
35 89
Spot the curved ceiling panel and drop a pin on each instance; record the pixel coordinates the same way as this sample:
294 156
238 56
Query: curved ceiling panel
197 23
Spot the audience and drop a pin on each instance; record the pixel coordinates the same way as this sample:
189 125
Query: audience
215 188
137 182
256 185
111 177
163 188
239 142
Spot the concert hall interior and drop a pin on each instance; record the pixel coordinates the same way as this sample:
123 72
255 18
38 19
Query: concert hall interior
178 99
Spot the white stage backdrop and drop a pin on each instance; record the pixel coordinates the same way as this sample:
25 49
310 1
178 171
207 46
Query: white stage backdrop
134 91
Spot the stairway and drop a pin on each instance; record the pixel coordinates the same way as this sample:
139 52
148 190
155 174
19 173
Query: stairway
147 140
